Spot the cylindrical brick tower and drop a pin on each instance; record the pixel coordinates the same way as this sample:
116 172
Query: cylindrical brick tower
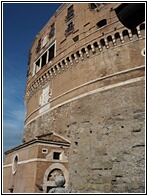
86 85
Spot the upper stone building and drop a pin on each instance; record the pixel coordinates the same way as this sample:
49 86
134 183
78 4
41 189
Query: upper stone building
85 104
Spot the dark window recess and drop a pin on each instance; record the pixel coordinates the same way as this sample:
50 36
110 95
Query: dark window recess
102 23
70 28
44 59
76 38
93 6
39 46
51 53
52 31
70 13
37 66
56 155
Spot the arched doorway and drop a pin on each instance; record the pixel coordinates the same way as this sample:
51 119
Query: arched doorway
50 174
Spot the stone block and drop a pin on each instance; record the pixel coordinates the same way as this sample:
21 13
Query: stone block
106 187
108 165
132 185
117 172
120 157
105 179
101 151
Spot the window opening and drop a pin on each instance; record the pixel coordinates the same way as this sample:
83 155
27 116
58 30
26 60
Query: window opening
102 42
93 6
51 52
102 23
96 6
56 155
70 12
52 30
39 46
45 151
37 66
70 28
44 59
76 38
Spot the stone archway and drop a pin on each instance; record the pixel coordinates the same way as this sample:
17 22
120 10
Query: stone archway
50 173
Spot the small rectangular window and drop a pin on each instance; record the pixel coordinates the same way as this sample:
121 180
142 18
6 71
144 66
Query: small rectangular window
37 66
70 13
70 28
44 59
102 23
45 151
56 155
76 38
51 52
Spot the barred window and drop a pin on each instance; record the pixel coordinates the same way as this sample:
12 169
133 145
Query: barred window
70 13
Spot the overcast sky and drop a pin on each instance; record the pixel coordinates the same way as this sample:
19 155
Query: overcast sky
21 23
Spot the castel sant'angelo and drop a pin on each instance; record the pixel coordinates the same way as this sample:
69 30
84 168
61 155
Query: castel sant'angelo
85 106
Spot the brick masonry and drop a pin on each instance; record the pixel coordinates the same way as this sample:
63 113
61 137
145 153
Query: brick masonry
107 139
96 102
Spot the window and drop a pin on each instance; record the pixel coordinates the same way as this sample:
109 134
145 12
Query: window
37 66
51 34
70 13
70 28
76 38
44 151
93 6
15 164
56 155
102 23
46 57
96 6
51 52
39 46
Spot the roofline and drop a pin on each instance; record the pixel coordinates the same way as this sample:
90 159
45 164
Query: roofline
33 142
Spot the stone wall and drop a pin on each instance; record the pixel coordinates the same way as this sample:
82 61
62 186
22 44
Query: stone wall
106 130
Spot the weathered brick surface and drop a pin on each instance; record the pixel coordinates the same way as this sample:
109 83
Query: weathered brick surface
106 145
97 102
